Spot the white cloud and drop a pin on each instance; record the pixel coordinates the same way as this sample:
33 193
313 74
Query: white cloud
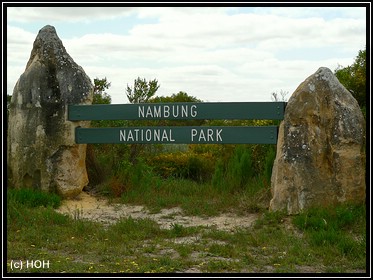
316 12
206 52
66 14
19 46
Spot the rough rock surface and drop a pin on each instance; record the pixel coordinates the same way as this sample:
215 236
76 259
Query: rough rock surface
321 147
42 153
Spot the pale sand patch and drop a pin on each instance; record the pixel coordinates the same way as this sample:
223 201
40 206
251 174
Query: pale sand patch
86 206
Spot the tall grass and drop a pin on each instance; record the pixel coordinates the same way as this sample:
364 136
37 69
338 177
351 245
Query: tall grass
33 198
192 182
242 173
236 173
336 227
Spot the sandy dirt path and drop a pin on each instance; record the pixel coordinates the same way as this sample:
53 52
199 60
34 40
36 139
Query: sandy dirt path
86 206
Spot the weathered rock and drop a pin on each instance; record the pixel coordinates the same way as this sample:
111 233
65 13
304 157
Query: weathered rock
42 152
321 147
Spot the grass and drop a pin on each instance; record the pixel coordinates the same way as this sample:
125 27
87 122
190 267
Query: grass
197 198
33 198
328 240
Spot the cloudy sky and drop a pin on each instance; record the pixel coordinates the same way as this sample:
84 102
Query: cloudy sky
213 53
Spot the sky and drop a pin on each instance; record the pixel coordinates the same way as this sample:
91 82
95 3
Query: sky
216 54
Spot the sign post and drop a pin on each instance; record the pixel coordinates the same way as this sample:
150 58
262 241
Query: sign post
179 135
179 111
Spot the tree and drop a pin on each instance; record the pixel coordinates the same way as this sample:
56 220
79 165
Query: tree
99 94
276 96
176 97
181 96
142 90
353 78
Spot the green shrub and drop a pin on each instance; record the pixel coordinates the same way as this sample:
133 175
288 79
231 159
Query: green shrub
239 171
268 163
240 168
129 176
95 170
218 178
170 164
199 167
247 166
186 165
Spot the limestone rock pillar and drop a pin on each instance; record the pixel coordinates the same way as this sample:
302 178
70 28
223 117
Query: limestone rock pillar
321 147
41 151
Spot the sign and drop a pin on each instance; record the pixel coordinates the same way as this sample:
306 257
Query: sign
179 135
179 111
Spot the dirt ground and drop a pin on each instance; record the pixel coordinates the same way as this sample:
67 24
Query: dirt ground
87 206
95 208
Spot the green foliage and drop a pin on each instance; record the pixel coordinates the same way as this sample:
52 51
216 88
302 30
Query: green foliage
353 78
271 219
175 98
187 165
240 167
33 198
327 227
178 230
196 168
237 172
95 170
181 96
103 161
335 218
246 169
139 245
134 229
116 169
129 176
99 94
268 163
218 178
142 90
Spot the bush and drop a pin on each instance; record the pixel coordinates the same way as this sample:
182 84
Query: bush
186 165
218 178
268 163
129 176
95 170
240 167
248 170
238 172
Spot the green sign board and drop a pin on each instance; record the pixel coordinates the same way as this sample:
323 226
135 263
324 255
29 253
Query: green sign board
179 135
179 111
